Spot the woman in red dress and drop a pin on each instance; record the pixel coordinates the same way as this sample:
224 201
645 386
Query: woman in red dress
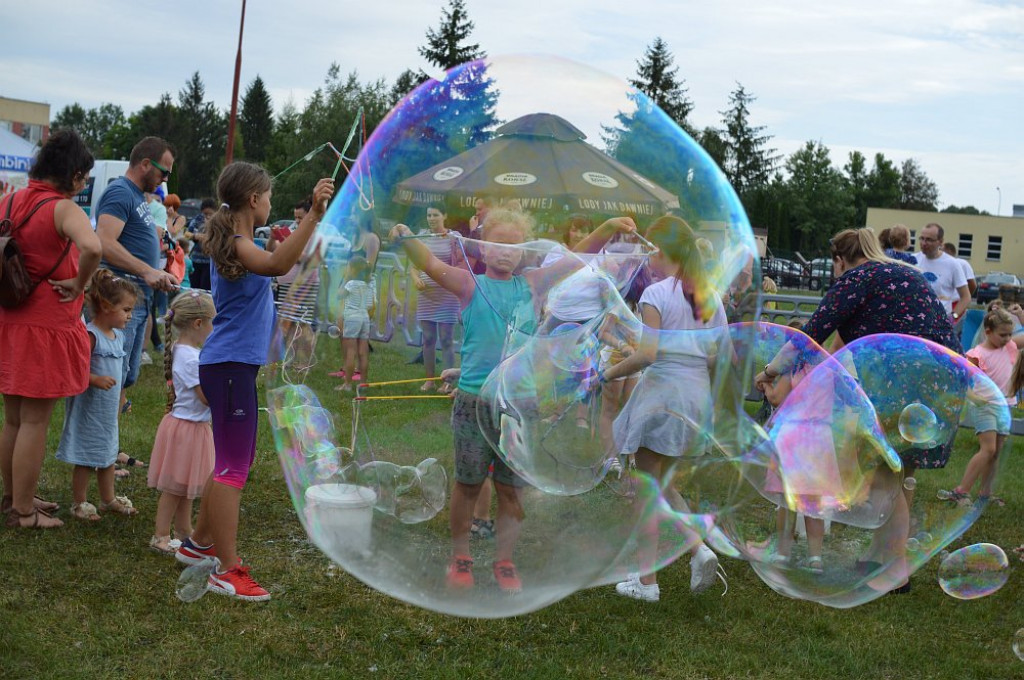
44 348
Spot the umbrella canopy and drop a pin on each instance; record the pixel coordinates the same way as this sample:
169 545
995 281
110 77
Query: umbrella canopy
543 161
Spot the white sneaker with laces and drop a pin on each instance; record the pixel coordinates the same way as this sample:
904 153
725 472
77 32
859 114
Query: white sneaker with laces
639 591
703 569
145 359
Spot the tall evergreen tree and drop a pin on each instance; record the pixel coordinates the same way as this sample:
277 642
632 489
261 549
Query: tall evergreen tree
256 121
856 175
446 46
819 203
656 78
749 161
883 184
201 139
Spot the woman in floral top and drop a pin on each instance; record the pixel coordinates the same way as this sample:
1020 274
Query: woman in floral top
874 294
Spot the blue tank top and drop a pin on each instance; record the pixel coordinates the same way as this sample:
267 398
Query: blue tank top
244 323
494 305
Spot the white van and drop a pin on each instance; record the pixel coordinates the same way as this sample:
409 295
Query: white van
103 173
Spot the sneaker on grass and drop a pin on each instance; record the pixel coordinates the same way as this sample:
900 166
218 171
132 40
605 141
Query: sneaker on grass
703 569
460 572
507 577
638 591
191 553
237 583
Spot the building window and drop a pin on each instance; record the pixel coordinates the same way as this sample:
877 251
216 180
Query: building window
913 240
963 249
995 248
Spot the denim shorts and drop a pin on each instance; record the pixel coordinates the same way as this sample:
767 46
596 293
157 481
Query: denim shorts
355 327
989 417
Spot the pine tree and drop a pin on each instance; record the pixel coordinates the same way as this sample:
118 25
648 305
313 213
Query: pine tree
201 139
656 78
256 121
445 46
749 162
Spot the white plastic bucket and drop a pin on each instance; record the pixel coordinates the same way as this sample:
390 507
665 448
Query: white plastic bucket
341 516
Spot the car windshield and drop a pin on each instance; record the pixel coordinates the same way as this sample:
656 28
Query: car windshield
1001 278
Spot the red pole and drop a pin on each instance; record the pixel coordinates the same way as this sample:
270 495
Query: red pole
234 93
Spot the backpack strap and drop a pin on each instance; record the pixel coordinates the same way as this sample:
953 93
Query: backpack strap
7 217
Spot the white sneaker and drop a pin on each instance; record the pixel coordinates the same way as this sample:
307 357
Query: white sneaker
145 360
638 591
703 569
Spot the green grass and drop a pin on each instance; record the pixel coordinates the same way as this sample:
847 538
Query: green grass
93 602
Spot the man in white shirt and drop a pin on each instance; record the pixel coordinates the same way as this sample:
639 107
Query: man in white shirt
972 283
942 272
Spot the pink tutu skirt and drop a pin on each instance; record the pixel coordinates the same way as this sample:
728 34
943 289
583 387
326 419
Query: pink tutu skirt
182 457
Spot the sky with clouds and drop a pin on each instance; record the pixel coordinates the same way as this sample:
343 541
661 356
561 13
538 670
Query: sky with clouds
941 81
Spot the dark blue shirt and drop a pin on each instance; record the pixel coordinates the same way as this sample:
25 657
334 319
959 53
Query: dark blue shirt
244 323
125 201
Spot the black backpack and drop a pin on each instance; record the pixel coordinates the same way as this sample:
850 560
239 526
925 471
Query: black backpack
15 283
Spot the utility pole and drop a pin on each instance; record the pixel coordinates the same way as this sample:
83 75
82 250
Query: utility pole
228 156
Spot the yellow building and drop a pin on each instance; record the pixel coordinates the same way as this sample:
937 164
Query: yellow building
30 120
988 243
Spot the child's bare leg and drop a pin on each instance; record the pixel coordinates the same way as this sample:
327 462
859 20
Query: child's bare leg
105 481
815 535
989 474
647 543
348 346
482 509
611 395
428 329
364 358
183 518
165 509
80 478
509 520
461 517
785 520
988 443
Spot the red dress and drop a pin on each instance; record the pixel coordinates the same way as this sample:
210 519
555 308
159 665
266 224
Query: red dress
44 348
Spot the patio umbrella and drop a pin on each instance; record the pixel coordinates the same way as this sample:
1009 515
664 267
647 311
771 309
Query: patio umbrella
543 161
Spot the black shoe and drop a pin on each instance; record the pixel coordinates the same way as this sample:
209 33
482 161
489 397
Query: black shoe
418 359
902 590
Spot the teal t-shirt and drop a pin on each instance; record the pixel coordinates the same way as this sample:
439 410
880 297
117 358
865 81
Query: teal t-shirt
494 306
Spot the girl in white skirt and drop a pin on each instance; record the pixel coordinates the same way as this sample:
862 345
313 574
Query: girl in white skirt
182 457
668 410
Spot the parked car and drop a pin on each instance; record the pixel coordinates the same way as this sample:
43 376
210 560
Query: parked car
786 273
989 286
190 207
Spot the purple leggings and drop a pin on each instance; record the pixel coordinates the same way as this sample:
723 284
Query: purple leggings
230 389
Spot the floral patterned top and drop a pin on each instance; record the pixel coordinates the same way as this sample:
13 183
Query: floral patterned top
878 297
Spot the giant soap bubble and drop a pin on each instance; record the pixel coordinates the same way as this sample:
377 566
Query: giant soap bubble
375 482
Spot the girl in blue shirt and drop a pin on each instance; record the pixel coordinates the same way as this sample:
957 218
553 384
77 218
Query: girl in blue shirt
232 356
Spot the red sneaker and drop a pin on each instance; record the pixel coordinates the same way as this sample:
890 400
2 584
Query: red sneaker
340 373
238 584
460 572
357 376
507 577
190 553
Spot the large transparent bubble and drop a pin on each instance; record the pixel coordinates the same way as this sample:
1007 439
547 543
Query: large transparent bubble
552 150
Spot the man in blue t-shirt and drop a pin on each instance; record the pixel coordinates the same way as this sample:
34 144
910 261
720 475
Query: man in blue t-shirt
131 247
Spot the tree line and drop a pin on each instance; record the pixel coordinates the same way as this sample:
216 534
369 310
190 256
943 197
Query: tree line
801 199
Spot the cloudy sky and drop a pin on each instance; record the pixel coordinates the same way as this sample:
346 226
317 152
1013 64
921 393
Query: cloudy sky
941 81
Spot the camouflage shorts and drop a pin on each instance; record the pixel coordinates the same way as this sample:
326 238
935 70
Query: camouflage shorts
474 431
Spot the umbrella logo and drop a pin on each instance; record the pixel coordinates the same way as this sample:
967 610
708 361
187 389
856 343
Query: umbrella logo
599 179
515 179
445 174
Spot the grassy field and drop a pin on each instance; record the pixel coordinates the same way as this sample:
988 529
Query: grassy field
91 601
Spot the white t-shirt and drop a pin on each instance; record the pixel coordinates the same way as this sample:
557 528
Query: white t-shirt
185 376
676 314
944 275
967 269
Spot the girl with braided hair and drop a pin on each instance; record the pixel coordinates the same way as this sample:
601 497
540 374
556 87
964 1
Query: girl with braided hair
182 457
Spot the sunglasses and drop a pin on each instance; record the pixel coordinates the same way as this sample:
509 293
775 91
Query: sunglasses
162 169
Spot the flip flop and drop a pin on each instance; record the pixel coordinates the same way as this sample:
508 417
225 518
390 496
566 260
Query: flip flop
126 407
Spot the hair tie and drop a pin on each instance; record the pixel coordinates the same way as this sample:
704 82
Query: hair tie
170 315
225 206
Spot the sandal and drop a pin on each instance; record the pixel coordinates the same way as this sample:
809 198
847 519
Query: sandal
445 388
85 511
120 506
165 545
129 461
427 386
126 407
14 520
49 507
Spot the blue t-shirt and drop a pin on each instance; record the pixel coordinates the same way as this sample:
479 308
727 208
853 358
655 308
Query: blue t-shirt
125 201
244 323
495 304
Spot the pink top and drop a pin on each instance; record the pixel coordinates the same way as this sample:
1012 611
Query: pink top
998 365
